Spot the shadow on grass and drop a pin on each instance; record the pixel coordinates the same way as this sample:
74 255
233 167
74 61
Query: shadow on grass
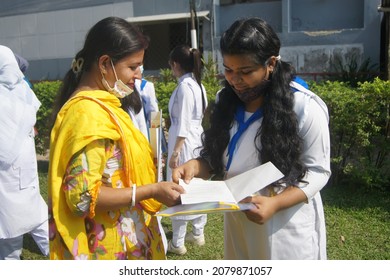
31 250
43 166
355 197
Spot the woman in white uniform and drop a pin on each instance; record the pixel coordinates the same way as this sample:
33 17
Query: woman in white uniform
186 106
263 115
22 208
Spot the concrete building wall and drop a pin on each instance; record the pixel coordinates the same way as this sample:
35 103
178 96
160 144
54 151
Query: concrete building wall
49 40
312 33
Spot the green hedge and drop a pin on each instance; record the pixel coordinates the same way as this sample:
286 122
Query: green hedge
359 124
360 132
46 92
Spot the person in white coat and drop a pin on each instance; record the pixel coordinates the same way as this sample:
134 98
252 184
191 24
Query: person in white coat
148 96
187 105
263 115
134 106
140 112
22 208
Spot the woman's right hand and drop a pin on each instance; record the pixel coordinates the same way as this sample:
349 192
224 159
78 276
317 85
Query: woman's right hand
167 193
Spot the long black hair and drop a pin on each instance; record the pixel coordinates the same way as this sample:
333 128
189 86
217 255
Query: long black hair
112 36
277 139
190 61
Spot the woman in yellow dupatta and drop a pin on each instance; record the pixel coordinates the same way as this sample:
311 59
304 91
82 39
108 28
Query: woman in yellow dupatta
102 190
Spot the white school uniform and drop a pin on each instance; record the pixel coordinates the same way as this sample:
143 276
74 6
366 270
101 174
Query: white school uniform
148 96
186 114
297 232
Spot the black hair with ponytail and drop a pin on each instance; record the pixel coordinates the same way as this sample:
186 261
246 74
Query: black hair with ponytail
190 61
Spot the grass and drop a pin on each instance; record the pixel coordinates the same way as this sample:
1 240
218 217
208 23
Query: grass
357 224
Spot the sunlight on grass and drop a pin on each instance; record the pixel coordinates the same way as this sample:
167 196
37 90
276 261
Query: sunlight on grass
212 250
357 224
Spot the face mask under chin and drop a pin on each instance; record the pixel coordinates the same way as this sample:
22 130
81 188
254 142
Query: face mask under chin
120 89
253 93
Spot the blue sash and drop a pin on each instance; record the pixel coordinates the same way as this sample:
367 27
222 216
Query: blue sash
242 127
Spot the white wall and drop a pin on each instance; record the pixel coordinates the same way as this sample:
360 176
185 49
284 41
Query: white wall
54 35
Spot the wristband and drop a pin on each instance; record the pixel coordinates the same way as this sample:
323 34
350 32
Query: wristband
133 197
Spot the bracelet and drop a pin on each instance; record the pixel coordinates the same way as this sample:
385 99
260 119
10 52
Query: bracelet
133 197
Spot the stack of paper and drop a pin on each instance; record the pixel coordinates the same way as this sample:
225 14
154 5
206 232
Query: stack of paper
203 196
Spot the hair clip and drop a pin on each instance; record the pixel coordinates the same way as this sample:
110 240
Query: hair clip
77 65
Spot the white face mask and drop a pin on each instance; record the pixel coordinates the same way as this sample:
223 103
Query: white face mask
120 89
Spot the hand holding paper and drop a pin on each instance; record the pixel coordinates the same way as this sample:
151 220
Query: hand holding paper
221 196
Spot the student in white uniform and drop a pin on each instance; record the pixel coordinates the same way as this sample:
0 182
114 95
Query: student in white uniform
263 115
22 208
133 105
187 105
140 111
148 96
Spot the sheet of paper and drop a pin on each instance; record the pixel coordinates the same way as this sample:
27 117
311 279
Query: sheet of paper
216 196
199 190
246 206
251 181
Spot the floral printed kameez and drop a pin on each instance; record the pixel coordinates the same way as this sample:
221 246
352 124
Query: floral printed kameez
97 156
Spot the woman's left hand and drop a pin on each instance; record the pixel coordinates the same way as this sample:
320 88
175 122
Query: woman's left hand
265 208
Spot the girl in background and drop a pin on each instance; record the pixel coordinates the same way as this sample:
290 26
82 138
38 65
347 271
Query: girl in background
186 107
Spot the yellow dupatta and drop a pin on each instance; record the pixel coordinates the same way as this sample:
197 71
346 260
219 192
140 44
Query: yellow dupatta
89 116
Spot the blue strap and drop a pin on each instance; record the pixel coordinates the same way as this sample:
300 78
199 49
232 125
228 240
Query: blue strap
300 81
28 82
242 126
143 84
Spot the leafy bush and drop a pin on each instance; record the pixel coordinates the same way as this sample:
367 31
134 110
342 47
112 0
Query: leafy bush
354 70
359 131
46 92
211 79
163 93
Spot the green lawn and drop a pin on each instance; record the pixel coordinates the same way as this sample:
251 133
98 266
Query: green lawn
358 227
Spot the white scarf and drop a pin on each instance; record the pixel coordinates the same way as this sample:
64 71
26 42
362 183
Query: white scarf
18 107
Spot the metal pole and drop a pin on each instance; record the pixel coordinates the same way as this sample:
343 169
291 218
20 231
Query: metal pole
194 43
